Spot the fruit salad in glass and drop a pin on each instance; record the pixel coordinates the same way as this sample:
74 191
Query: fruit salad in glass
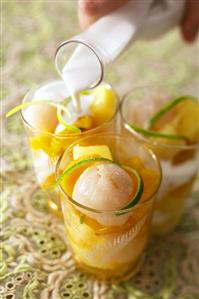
167 120
107 185
53 124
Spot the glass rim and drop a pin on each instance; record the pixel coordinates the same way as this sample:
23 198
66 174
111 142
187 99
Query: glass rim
77 40
64 136
147 140
74 202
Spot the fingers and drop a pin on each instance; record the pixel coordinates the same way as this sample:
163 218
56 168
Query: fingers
190 21
91 10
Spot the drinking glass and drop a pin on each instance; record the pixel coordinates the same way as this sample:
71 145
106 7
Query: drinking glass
109 244
179 161
46 147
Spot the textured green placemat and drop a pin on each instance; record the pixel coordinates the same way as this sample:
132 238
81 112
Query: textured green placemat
35 261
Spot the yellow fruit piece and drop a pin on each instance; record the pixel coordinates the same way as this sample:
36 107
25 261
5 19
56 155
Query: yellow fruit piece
41 142
104 104
185 122
84 122
150 177
53 146
48 145
69 180
82 151
59 144
171 130
188 120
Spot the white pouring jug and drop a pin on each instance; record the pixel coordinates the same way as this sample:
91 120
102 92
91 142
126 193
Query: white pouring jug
108 37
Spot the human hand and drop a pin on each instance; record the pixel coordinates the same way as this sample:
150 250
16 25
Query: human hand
190 21
91 10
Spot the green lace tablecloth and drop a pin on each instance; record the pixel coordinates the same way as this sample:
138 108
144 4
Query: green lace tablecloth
35 262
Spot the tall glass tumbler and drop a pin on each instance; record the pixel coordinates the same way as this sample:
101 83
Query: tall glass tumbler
107 243
46 145
179 159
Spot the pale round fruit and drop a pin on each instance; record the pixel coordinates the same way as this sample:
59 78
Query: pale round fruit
104 187
42 117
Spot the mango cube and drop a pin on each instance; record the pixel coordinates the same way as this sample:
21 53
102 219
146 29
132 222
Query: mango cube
188 124
104 104
100 150
84 122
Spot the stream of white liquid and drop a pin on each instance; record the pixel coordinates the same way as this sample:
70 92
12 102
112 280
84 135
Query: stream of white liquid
109 36
80 72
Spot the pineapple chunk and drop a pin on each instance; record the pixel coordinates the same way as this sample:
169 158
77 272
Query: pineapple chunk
104 104
101 150
188 123
84 122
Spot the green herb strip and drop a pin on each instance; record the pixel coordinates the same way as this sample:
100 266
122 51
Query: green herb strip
81 219
65 124
80 163
138 193
166 108
25 105
149 133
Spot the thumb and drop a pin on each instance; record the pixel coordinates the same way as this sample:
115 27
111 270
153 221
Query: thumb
91 10
190 22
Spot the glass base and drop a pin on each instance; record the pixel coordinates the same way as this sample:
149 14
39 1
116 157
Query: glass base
111 276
